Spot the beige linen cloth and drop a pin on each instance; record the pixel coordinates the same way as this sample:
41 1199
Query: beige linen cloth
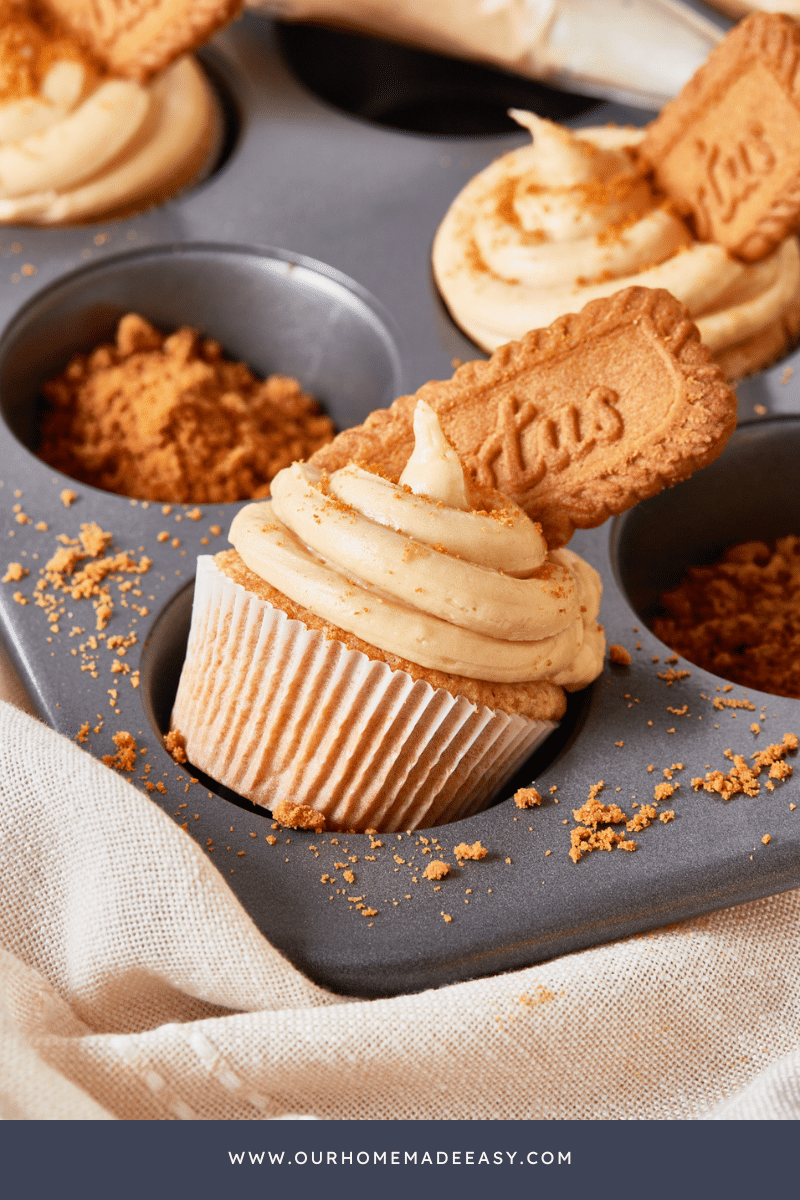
134 986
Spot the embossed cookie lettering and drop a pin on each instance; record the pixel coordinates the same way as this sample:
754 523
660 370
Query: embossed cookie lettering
727 150
505 442
137 38
529 441
733 174
575 422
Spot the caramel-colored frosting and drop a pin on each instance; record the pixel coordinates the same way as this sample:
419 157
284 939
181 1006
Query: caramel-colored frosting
75 144
572 218
416 569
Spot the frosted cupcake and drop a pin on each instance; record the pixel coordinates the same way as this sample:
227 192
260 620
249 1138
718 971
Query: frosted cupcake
378 654
573 217
76 143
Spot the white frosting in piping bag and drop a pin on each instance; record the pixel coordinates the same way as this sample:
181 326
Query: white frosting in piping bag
413 569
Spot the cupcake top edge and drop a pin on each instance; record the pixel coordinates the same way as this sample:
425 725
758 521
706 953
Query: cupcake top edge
416 569
79 140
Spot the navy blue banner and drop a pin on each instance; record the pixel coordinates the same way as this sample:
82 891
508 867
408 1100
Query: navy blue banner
334 1159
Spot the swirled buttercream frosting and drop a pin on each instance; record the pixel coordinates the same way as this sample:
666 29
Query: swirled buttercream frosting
573 217
75 143
426 571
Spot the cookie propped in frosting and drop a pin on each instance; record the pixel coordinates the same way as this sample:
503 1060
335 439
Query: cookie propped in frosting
576 422
727 150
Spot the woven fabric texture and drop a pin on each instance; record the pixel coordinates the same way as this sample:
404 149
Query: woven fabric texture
134 986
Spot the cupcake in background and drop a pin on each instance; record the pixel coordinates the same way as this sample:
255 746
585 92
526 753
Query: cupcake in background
575 217
379 654
79 142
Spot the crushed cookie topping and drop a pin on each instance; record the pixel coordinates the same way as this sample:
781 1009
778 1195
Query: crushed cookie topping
169 418
740 617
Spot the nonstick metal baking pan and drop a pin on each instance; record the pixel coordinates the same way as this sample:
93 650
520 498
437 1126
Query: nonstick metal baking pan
307 252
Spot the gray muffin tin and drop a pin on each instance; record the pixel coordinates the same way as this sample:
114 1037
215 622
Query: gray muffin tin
351 310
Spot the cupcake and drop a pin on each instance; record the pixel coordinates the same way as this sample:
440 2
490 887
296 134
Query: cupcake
574 217
77 143
378 653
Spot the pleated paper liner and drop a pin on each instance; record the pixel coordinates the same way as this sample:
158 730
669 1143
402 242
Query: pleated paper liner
272 710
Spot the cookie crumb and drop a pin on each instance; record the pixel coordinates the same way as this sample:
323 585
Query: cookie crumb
739 617
436 869
298 816
175 745
159 418
464 851
619 655
743 778
594 813
527 797
125 758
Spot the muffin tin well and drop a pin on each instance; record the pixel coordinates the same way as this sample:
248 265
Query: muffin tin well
161 668
405 88
748 494
351 309
278 312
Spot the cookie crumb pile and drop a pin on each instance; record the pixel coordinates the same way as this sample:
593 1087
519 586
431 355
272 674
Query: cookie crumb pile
740 617
742 779
171 419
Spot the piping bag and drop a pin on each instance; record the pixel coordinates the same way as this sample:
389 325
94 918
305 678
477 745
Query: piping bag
638 52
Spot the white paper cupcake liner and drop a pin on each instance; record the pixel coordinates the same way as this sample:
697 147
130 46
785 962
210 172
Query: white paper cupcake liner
275 712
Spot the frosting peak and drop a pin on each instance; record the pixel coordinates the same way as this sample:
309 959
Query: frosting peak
561 156
433 468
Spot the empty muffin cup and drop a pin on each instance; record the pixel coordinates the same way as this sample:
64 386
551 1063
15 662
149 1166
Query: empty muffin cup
406 88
